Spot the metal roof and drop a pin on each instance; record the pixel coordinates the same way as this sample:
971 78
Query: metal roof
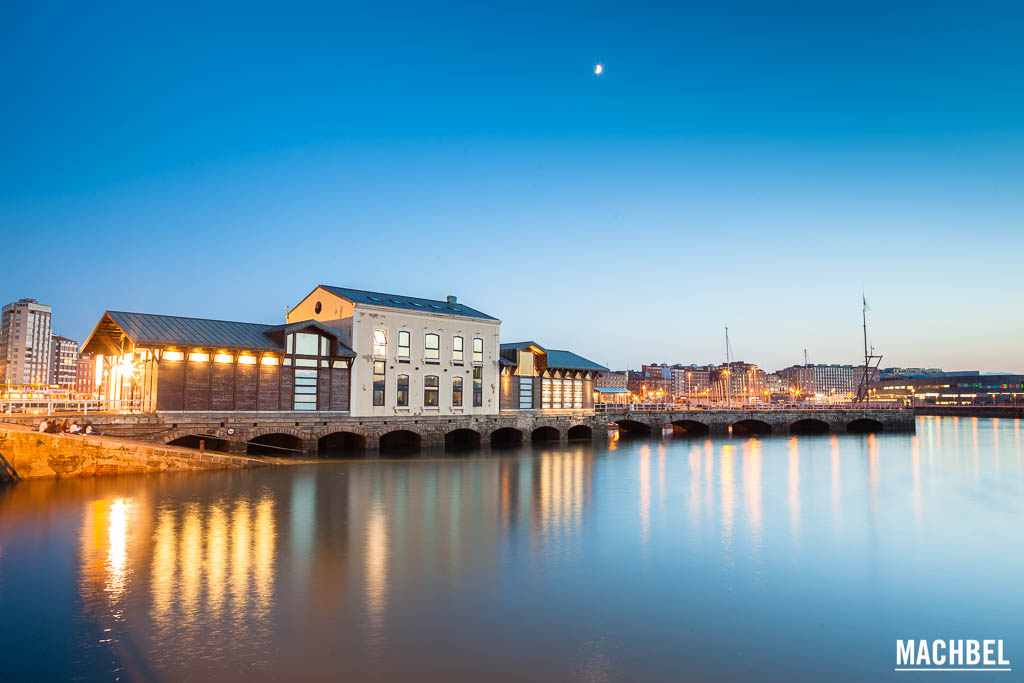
570 361
611 390
565 360
407 303
169 330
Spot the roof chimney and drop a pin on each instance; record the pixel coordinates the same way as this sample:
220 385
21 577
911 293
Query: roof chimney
452 299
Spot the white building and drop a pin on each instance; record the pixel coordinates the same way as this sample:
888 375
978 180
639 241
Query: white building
414 356
25 342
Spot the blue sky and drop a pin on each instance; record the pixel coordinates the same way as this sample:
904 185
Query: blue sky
746 164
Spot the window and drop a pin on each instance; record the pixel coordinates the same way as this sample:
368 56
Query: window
478 350
404 346
306 344
305 390
525 393
456 391
430 390
556 394
478 385
432 347
457 349
577 393
378 382
380 343
403 387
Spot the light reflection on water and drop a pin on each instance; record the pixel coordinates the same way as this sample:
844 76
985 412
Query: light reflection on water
786 557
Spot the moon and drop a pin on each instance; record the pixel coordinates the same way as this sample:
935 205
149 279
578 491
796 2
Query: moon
599 69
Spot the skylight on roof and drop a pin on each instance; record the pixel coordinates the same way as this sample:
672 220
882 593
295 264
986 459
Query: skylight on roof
373 298
416 303
435 306
396 301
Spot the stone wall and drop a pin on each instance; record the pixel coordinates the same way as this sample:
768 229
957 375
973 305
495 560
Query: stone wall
28 454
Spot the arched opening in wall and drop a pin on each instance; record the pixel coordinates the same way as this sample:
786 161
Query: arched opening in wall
506 437
400 442
751 428
809 426
631 428
545 435
210 443
864 425
462 440
687 429
340 444
282 445
580 433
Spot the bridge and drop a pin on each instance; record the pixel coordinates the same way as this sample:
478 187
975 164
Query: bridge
288 433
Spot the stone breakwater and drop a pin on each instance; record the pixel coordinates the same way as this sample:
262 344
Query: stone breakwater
28 454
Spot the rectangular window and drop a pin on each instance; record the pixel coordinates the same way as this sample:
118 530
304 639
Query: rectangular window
457 349
432 348
305 390
478 350
307 344
403 386
378 382
525 393
404 345
431 389
577 393
457 391
478 385
380 343
556 394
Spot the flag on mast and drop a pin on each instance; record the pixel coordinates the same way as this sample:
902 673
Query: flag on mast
865 302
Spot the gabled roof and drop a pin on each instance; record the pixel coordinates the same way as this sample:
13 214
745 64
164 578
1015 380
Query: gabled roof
407 303
516 346
563 360
147 329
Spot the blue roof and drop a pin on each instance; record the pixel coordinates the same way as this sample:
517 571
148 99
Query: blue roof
570 361
612 390
407 303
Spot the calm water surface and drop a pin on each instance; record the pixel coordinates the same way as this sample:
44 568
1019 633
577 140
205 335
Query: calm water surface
775 558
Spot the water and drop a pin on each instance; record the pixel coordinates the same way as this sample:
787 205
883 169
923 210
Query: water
779 559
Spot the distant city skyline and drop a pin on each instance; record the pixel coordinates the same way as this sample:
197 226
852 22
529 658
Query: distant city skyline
751 167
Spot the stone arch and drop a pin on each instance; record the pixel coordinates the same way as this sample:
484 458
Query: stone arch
750 427
630 428
400 442
462 439
279 443
545 433
341 443
865 425
689 428
210 443
505 437
809 425
580 433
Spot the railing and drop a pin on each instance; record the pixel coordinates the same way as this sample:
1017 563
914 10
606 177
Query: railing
675 408
51 405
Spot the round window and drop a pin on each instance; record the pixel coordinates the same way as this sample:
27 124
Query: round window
318 308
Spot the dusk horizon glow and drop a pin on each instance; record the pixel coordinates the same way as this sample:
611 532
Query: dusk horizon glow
222 164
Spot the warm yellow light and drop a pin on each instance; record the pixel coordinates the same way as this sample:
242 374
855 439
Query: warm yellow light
199 357
246 360
174 355
268 360
223 358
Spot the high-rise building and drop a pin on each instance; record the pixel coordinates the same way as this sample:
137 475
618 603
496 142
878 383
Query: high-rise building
690 380
63 361
25 342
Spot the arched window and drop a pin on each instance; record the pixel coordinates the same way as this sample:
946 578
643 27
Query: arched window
431 389
380 342
432 347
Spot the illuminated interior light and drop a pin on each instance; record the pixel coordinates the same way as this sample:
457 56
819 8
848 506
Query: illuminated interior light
199 357
174 355
268 360
223 358
246 360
